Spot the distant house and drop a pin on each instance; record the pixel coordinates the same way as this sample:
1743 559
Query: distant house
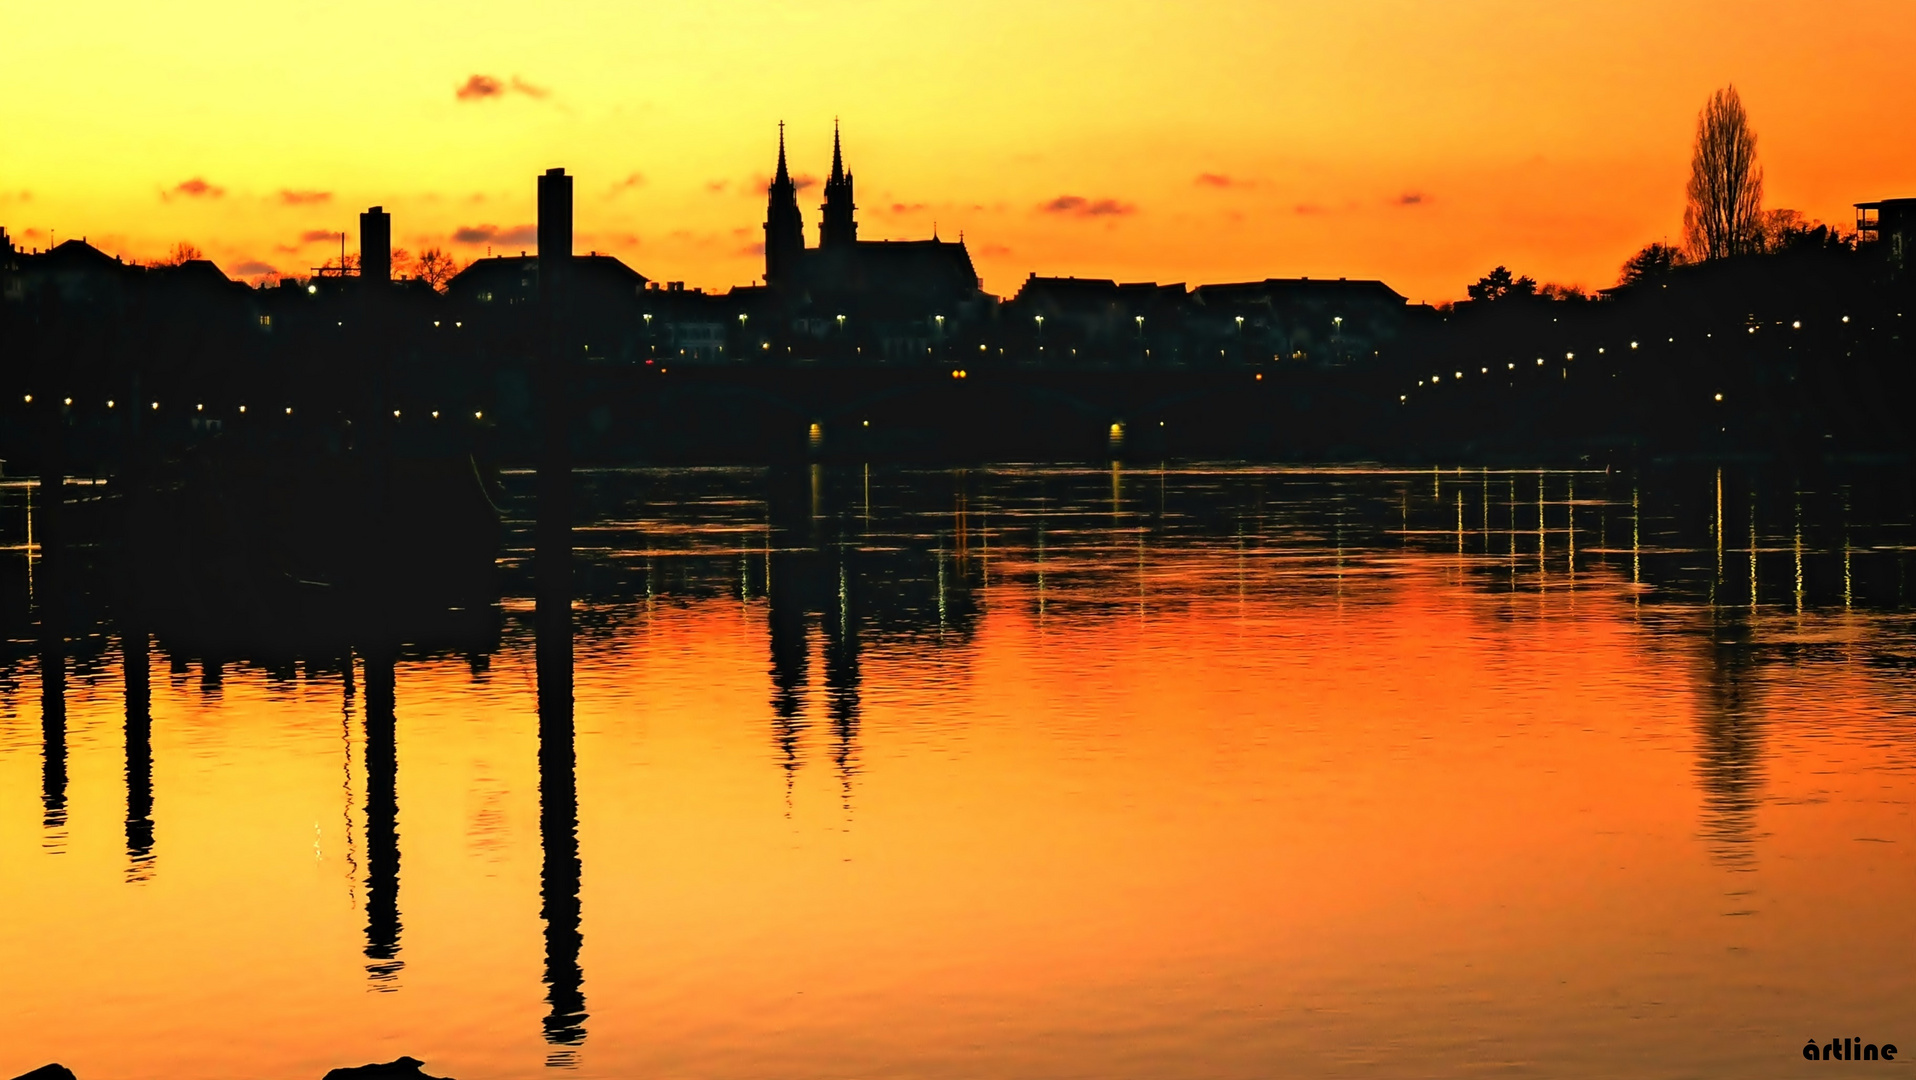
1889 225
603 300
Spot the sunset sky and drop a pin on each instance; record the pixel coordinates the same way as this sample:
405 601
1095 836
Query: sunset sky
1203 140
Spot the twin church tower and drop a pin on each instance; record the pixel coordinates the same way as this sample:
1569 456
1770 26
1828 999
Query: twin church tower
785 226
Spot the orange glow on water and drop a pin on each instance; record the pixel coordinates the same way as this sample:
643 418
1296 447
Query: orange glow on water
1161 809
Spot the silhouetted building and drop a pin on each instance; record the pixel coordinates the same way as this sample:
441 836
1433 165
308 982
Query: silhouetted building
376 245
859 301
1890 223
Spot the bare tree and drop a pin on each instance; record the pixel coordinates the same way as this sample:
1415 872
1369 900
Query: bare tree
1724 216
182 253
435 267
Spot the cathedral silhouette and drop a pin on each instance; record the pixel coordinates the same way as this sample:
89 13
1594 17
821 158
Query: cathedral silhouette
884 279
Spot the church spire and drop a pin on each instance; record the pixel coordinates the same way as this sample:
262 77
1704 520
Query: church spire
838 156
839 226
784 227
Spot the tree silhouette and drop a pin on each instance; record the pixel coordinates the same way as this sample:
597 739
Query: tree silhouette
182 253
1654 261
1724 216
1499 284
435 267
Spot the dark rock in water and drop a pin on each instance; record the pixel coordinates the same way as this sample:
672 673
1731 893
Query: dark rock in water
50 1072
405 1068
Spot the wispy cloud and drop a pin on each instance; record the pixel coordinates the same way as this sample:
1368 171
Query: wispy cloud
304 198
627 184
1222 180
254 268
1413 198
763 184
1079 206
481 87
493 234
907 208
196 188
314 236
1307 209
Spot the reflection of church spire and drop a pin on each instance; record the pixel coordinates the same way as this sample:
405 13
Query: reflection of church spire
382 824
790 662
784 227
841 674
839 227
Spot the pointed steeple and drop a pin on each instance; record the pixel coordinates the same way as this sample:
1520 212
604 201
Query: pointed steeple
784 227
838 226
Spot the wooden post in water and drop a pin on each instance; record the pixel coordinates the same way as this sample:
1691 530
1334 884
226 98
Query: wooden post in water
552 562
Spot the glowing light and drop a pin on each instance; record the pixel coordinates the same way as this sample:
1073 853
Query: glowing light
435 414
289 410
67 401
312 289
242 408
1539 361
1633 344
1719 396
156 404
109 403
478 416
1797 325
29 399
1846 318
395 414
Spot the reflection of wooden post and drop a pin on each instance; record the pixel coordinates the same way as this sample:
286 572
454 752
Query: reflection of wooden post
552 561
382 820
49 592
53 699
139 756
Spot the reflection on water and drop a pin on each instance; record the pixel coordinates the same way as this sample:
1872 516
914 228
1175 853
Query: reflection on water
1012 771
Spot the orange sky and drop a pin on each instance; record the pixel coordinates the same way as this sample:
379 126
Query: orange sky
1222 139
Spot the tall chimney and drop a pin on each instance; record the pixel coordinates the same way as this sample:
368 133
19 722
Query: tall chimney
555 228
376 245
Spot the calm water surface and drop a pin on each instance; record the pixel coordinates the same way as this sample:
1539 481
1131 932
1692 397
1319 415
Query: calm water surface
1019 772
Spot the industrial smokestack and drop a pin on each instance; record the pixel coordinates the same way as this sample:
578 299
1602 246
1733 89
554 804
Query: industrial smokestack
555 229
376 245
